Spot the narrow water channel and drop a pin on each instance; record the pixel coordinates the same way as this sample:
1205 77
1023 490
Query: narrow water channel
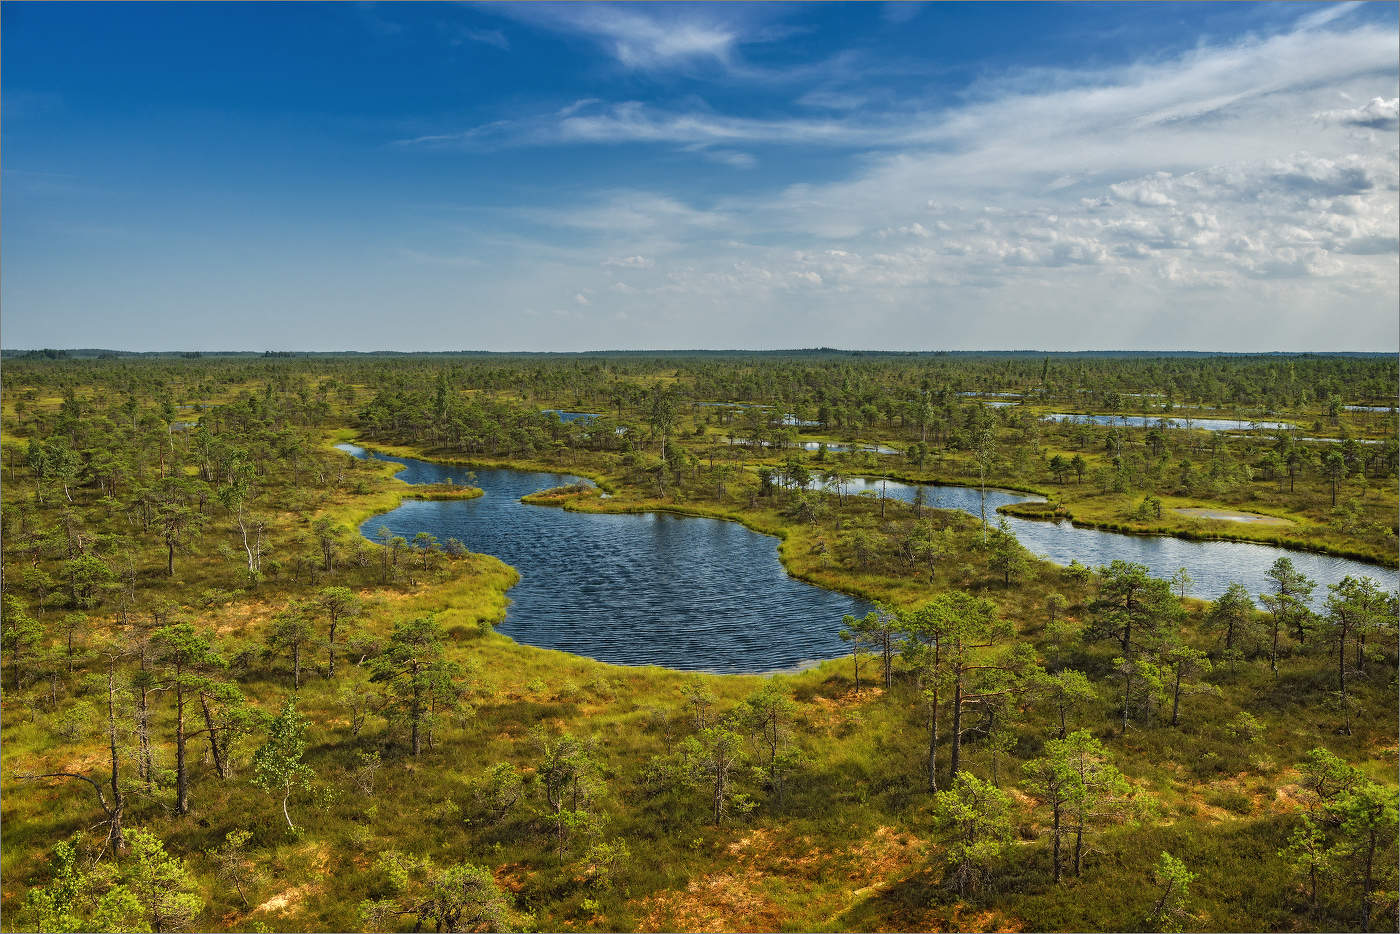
1213 565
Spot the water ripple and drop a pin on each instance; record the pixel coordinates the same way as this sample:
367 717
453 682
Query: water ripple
637 589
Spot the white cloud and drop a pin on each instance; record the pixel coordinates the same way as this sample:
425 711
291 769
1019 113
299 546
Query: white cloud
1211 105
633 213
631 262
1377 114
832 100
576 106
487 37
1326 15
638 38
730 157
1147 193
1219 198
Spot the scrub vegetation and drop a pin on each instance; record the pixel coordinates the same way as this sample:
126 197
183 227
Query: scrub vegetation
226 709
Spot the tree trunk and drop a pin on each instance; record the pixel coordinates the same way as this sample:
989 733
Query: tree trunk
1127 697
182 789
983 507
330 666
1128 627
1366 893
1273 652
1176 695
243 529
1342 673
933 744
416 711
170 558
721 783
146 763
118 837
957 727
889 661
1055 843
213 738
1154 923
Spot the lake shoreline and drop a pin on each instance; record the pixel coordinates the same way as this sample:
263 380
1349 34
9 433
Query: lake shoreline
839 581
541 629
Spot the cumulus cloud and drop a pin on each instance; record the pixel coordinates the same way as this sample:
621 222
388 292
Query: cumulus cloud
1147 193
1377 114
1218 197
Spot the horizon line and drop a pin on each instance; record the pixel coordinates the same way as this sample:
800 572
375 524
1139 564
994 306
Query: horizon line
192 353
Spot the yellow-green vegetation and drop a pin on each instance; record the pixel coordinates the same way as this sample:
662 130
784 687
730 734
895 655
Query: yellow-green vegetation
441 763
1309 529
560 495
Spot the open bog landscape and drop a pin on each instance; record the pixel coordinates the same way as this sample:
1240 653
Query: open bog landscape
376 558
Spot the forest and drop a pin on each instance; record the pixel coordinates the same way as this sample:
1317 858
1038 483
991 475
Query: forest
233 700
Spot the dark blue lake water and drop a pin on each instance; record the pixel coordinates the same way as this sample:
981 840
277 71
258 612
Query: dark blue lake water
711 595
651 589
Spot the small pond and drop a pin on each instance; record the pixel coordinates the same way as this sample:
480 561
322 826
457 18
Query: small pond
1147 421
570 416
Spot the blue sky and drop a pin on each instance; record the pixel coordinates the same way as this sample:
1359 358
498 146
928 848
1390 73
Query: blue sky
571 177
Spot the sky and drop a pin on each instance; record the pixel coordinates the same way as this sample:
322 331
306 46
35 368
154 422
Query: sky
660 176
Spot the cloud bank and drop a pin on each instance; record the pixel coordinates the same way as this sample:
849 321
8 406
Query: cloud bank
1239 195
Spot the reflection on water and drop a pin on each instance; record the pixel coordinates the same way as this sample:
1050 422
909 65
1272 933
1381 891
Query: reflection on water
837 447
1147 421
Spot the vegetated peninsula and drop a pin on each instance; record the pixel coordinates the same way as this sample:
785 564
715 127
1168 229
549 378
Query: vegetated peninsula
253 678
